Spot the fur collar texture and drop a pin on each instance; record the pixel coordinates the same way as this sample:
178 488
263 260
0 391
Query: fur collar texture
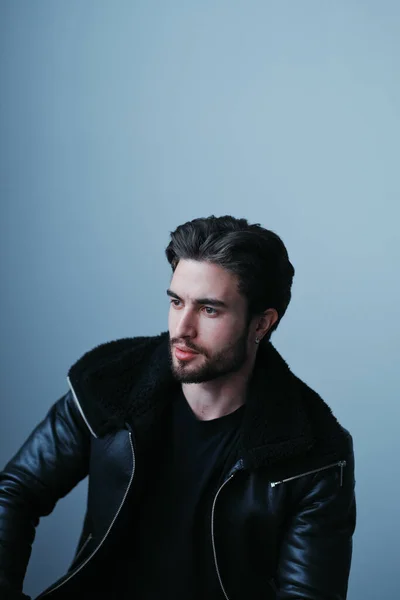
285 422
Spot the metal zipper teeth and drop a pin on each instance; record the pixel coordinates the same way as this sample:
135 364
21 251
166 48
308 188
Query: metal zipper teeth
80 408
212 536
341 464
107 532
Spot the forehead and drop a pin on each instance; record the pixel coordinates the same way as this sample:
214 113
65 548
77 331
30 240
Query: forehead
198 279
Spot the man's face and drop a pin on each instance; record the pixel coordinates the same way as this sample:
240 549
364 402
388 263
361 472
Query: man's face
207 322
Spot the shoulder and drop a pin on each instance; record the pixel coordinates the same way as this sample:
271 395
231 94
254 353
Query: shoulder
303 398
115 350
103 378
330 435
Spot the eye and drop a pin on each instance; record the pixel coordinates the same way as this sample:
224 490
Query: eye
175 302
210 311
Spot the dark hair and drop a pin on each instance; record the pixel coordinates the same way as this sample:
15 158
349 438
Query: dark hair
257 256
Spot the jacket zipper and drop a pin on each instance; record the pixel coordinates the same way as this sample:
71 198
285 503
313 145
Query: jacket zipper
80 408
341 464
105 535
212 535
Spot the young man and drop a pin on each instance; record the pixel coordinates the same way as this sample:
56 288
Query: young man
214 472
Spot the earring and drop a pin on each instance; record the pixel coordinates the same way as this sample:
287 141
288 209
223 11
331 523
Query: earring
257 340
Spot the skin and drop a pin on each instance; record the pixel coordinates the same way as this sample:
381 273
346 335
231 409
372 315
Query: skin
213 347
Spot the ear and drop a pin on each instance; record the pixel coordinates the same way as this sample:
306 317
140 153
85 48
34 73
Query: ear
265 322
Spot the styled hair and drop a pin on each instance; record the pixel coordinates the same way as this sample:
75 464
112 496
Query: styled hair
257 256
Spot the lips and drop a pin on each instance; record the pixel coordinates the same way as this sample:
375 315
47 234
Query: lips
184 353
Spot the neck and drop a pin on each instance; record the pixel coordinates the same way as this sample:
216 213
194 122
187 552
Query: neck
219 397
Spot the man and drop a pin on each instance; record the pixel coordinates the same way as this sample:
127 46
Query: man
214 472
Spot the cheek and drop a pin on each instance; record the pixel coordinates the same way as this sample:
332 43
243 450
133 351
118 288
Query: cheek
171 319
229 332
218 332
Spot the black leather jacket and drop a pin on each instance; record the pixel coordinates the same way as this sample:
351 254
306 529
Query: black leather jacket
282 520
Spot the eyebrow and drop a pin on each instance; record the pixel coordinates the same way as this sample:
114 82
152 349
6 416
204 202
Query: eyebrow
208 301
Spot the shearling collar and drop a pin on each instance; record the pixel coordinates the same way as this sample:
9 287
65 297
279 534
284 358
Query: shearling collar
130 380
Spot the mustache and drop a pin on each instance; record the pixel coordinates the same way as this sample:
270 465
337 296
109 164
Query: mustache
189 345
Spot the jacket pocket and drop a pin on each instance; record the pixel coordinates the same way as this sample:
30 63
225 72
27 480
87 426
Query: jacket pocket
341 464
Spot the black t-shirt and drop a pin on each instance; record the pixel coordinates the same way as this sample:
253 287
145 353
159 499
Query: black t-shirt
172 547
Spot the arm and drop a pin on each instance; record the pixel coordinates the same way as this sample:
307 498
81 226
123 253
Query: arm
316 552
49 464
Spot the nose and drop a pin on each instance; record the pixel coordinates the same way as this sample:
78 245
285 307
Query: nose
185 326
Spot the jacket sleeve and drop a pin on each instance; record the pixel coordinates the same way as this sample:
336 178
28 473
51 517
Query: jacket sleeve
316 552
49 464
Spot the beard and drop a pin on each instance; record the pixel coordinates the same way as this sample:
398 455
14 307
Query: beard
222 363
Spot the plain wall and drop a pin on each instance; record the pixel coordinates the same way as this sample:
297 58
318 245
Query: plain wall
120 120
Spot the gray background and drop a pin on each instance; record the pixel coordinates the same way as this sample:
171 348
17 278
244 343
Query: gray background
121 120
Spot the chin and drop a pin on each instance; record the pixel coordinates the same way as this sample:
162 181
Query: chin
184 375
